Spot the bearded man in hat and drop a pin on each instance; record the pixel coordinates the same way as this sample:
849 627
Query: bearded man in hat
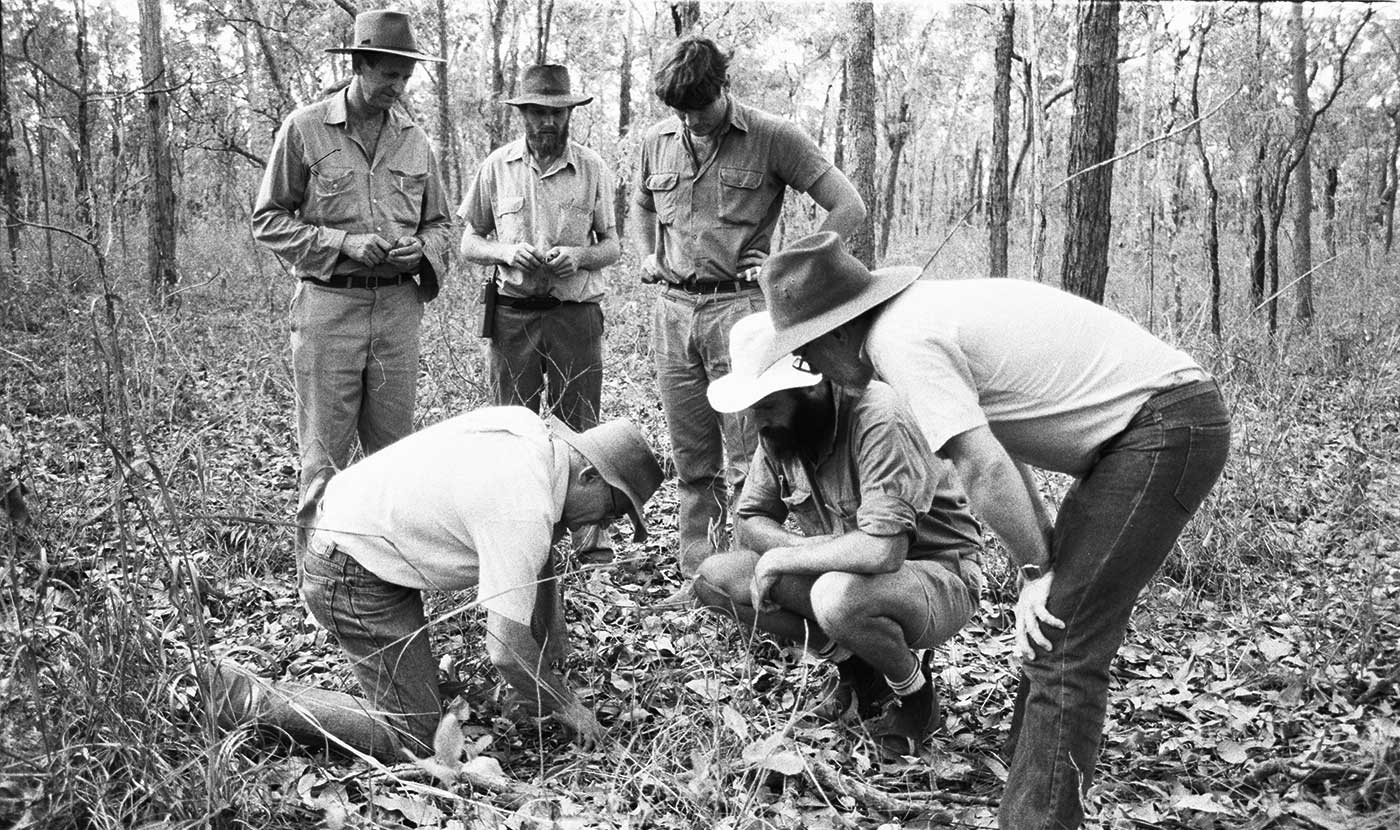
352 201
887 560
710 189
476 500
1006 374
540 211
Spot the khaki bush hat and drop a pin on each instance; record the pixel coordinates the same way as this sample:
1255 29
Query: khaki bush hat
386 33
815 285
624 459
547 85
756 370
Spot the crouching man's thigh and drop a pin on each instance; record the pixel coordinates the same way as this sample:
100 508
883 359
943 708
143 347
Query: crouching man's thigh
724 578
926 600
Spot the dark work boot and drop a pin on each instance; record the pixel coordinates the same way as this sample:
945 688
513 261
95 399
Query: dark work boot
905 722
855 681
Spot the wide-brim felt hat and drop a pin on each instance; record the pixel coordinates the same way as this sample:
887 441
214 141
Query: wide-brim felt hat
816 285
384 32
547 85
757 369
622 456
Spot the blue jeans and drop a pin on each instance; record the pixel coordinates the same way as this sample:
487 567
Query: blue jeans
1115 527
383 630
690 342
354 371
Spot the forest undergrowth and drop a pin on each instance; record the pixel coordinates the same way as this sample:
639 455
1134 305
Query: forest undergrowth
152 458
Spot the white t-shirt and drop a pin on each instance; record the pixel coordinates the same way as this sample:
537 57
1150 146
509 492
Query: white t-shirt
472 500
1055 376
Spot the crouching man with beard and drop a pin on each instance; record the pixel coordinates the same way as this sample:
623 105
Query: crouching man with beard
887 560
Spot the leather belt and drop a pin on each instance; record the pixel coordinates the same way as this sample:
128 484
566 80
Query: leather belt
720 287
530 303
360 281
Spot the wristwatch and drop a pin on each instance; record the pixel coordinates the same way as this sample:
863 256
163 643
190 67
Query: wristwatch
1030 573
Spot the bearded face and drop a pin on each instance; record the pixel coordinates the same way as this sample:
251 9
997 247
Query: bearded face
546 130
791 421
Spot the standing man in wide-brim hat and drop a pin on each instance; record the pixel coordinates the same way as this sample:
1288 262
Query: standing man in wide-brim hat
1006 374
540 212
352 201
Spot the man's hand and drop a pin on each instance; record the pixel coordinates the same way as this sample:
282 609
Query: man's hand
651 270
369 248
406 254
588 733
764 577
750 263
521 255
1031 612
562 261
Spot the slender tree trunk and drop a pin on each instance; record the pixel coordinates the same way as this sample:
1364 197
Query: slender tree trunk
1392 171
1040 151
685 16
861 103
999 201
1329 211
896 135
496 124
544 21
83 197
1302 190
842 113
624 118
1093 134
444 143
9 177
161 273
1143 160
1212 218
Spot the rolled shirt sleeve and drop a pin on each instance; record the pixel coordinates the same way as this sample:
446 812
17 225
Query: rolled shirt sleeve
311 249
894 467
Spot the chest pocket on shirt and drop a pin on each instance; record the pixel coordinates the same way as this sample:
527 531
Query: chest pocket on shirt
405 197
662 187
510 218
575 222
741 197
332 195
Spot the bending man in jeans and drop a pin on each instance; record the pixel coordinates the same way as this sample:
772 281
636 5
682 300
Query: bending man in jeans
709 193
887 560
351 199
1001 374
478 499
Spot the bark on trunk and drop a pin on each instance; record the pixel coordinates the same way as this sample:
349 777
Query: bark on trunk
1093 134
1302 174
999 200
161 274
861 104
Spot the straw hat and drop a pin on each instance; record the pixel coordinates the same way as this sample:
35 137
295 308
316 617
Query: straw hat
385 33
622 457
815 285
757 370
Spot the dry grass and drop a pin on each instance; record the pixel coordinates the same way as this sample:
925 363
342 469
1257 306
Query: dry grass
182 457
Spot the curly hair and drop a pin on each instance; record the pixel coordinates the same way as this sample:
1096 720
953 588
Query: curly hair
693 75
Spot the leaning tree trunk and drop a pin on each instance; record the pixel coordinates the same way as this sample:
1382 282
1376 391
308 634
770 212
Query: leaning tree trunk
1093 133
161 274
1302 174
998 198
861 108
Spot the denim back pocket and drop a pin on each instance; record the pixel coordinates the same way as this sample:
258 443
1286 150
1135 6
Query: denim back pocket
1208 447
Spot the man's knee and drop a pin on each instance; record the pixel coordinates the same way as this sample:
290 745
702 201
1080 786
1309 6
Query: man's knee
837 599
723 580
